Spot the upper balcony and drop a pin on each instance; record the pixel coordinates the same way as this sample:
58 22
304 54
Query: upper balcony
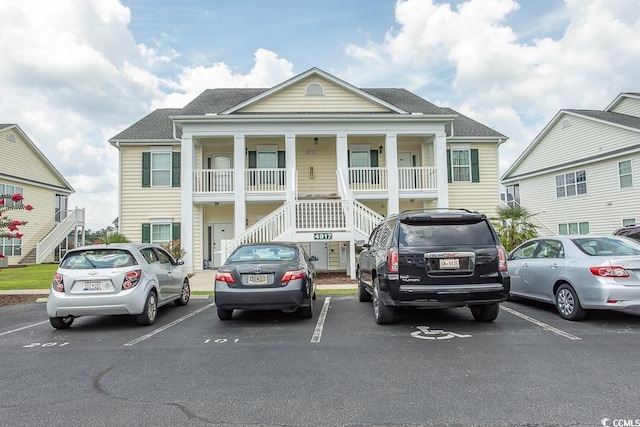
218 184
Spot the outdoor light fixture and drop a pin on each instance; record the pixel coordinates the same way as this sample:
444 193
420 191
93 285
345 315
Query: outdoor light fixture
380 149
315 140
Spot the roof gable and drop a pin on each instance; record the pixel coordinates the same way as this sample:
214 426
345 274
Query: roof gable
30 164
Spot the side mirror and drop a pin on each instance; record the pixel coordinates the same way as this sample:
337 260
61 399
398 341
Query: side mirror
313 258
179 262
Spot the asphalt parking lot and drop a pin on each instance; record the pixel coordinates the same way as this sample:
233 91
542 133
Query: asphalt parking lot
431 367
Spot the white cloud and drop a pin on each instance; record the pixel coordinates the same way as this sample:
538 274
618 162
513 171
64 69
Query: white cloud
491 70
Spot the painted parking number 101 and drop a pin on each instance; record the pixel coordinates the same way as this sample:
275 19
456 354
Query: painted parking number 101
222 341
47 344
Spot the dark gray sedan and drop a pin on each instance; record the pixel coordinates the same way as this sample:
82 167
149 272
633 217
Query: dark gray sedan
266 276
578 273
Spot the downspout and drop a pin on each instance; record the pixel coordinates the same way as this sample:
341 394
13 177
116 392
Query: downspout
119 187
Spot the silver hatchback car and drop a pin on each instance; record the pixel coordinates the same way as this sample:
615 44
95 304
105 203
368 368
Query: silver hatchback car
112 279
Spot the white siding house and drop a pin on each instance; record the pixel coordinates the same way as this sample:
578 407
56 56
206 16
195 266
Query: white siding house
582 172
313 159
51 221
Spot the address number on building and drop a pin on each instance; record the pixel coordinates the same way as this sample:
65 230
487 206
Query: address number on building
322 236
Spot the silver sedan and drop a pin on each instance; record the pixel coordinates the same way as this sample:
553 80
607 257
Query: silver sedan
116 279
578 273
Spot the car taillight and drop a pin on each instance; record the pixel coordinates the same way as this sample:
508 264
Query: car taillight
224 276
613 271
392 261
131 279
57 283
292 275
502 258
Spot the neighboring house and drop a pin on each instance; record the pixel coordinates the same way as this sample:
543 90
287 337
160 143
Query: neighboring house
27 171
581 174
314 159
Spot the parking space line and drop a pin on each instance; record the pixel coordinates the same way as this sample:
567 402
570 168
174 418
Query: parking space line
24 327
168 325
317 334
541 324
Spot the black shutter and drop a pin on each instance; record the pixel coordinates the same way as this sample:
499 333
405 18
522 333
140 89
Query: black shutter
146 233
475 166
253 163
375 174
449 179
282 164
146 169
175 170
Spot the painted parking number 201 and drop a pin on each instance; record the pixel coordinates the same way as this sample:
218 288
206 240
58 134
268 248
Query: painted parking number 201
45 345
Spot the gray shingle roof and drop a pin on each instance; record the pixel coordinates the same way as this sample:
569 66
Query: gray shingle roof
616 118
158 126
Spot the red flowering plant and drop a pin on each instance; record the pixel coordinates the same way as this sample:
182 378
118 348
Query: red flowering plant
174 248
9 227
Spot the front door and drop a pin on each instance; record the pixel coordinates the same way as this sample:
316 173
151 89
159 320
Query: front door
221 230
320 250
222 165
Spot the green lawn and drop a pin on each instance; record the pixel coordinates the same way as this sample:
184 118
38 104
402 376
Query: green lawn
37 276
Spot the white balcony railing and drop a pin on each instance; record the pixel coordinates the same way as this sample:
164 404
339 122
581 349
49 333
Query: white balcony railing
418 178
367 179
266 180
213 180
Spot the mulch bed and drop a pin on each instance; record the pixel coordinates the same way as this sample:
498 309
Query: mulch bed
18 299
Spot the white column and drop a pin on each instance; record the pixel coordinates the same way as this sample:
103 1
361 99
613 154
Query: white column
290 160
187 161
240 205
440 148
342 153
391 150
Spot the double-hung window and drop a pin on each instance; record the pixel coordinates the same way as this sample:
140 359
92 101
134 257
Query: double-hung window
571 184
161 169
625 174
461 165
573 228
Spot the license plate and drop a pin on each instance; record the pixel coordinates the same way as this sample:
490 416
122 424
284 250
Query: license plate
449 263
258 279
92 286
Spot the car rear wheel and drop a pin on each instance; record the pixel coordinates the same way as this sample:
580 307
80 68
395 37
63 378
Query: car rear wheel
224 314
485 313
185 294
383 314
363 295
306 312
568 304
61 322
150 311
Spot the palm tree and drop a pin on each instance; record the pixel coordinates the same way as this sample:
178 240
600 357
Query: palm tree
514 226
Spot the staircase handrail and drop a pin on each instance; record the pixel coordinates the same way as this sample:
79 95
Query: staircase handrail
58 234
268 228
533 217
365 219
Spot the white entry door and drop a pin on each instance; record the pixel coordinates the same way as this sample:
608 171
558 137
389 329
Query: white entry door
321 250
222 165
221 230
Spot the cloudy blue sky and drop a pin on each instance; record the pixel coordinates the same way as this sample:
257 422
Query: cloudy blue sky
74 73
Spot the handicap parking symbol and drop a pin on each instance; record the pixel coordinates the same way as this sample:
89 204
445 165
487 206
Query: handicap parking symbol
426 333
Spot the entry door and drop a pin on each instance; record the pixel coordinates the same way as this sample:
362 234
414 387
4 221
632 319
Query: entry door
321 250
222 164
221 230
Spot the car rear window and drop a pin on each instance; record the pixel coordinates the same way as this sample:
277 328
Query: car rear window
264 253
423 234
99 258
607 246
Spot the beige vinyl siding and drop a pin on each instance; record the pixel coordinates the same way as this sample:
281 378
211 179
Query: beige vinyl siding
140 205
630 106
40 221
603 207
317 160
584 138
24 161
293 99
479 196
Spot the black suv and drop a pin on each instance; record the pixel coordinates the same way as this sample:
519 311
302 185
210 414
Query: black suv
433 260
631 231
